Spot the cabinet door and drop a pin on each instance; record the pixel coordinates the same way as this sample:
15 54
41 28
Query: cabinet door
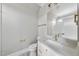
44 50
0 29
40 49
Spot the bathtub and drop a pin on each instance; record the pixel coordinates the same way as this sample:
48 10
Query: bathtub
30 51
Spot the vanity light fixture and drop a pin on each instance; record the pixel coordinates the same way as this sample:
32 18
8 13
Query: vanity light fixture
54 4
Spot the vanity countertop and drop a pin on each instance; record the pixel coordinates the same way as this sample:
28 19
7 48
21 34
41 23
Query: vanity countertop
59 48
70 37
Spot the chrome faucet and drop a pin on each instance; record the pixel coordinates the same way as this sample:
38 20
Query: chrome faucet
58 35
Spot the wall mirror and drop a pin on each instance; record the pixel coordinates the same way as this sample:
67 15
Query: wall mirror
63 29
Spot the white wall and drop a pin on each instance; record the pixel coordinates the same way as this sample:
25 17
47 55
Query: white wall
42 31
0 29
19 25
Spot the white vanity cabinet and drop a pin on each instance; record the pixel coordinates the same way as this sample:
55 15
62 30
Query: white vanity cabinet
44 50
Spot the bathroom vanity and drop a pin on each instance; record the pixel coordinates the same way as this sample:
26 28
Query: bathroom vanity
45 50
62 27
53 48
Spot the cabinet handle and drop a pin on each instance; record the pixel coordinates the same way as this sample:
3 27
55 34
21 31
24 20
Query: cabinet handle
76 19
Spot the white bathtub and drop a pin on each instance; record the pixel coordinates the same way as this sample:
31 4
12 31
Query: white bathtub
30 51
